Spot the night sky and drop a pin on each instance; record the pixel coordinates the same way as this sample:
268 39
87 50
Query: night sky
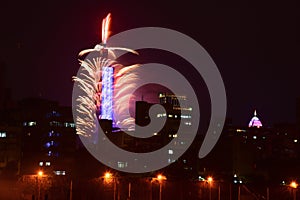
256 48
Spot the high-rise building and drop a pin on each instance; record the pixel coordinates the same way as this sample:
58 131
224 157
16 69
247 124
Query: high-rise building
48 137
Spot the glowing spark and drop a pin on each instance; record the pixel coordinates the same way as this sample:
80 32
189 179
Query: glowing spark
105 28
105 35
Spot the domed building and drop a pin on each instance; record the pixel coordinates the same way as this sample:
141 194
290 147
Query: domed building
255 122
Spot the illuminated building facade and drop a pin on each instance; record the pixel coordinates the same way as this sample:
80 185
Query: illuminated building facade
107 93
255 122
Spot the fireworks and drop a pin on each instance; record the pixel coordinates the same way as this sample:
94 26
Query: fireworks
103 83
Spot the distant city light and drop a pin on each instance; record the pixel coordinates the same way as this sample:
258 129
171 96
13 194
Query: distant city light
2 134
30 123
59 173
255 122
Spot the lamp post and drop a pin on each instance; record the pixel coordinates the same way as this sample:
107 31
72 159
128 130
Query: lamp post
108 178
129 190
71 190
294 186
160 178
210 181
39 175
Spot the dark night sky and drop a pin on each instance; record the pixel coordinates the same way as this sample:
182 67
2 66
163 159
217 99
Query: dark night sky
255 48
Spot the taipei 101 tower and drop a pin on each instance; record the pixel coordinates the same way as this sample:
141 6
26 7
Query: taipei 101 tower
107 78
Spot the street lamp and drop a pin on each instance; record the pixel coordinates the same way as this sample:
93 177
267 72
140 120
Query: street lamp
39 175
210 181
160 178
294 186
108 178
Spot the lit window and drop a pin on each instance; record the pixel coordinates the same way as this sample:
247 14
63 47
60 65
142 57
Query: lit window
31 123
48 164
55 123
51 143
122 164
50 134
41 164
59 173
69 124
2 134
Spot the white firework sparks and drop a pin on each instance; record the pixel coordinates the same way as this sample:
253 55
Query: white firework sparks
90 83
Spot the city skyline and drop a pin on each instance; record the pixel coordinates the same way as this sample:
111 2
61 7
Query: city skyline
79 120
254 49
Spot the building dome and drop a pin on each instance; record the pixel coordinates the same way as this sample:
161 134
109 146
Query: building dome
255 122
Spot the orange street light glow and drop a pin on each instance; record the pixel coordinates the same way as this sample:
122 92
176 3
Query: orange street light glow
161 177
209 179
107 175
293 184
40 173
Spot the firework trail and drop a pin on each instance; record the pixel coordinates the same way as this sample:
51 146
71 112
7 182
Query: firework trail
95 83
